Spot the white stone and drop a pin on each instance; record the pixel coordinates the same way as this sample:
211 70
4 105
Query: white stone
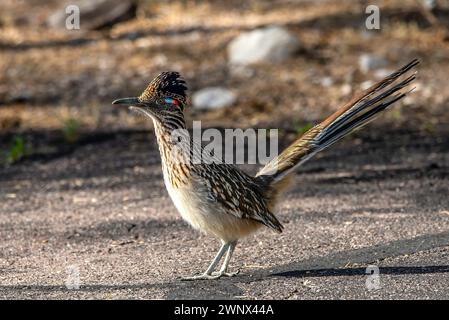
382 73
270 44
326 81
368 62
346 89
430 4
213 98
94 14
366 84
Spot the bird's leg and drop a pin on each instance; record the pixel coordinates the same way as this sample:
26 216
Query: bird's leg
224 268
217 258
208 273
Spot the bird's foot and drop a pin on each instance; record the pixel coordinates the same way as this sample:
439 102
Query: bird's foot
203 276
225 273
212 276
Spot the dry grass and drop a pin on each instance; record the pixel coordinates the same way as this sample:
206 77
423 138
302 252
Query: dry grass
45 79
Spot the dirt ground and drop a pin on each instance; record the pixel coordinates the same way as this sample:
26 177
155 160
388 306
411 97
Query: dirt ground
104 210
88 193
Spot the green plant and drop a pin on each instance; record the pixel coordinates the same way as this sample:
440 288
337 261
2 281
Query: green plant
17 151
71 130
301 129
428 127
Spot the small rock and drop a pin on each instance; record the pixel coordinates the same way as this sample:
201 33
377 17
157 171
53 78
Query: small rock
430 4
346 89
326 81
409 100
271 44
94 14
368 62
382 73
366 84
213 98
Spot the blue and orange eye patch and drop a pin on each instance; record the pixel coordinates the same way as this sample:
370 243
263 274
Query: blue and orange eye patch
171 101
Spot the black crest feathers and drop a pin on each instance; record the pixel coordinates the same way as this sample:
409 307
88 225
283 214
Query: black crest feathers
167 84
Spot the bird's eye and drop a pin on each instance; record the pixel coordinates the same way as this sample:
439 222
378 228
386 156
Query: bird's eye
171 101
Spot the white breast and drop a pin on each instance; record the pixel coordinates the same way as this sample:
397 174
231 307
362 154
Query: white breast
206 216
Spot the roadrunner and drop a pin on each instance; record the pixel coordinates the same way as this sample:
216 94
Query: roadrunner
220 199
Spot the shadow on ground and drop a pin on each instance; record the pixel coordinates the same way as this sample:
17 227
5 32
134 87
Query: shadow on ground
328 266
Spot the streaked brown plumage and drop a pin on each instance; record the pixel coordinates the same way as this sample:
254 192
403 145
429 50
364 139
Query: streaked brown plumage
221 200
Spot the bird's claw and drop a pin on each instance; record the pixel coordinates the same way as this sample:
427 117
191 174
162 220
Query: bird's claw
225 274
212 276
203 276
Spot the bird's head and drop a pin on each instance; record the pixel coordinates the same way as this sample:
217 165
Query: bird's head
163 99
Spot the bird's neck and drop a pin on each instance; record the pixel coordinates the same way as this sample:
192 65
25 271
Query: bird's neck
175 149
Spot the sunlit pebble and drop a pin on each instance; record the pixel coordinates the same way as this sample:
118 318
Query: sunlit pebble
346 89
366 84
326 81
417 86
408 100
78 182
382 73
427 92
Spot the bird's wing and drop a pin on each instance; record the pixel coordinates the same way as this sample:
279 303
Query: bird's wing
238 193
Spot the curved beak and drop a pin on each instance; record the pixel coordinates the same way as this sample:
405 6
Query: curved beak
127 101
134 103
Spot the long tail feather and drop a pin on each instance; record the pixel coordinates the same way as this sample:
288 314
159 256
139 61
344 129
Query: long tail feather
362 109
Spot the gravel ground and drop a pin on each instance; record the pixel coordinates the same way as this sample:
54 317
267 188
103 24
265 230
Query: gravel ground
102 211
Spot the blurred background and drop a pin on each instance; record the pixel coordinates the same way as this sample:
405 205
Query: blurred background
56 84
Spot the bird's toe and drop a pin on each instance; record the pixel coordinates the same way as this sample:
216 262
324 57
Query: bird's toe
225 274
203 276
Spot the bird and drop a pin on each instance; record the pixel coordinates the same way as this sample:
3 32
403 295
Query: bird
220 199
